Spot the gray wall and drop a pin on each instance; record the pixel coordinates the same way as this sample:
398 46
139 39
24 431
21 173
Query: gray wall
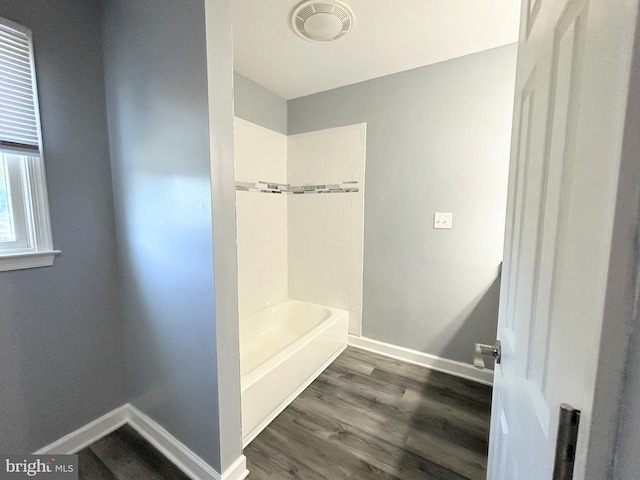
438 139
157 97
256 104
61 357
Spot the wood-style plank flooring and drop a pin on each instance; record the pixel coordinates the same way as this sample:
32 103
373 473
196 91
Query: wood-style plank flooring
369 417
125 455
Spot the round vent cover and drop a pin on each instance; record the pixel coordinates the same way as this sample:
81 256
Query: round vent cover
319 21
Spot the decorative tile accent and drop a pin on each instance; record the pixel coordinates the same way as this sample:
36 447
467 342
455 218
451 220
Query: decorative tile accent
281 188
270 187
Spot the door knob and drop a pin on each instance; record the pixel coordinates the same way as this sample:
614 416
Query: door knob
483 349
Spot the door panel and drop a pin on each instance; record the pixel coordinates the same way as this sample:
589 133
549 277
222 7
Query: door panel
561 189
568 48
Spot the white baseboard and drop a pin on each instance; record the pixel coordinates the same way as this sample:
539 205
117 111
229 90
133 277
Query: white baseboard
175 451
178 453
84 436
458 369
237 471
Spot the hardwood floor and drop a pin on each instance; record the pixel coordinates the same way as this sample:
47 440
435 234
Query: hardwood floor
125 455
369 417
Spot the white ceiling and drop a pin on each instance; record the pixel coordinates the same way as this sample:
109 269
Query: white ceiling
389 36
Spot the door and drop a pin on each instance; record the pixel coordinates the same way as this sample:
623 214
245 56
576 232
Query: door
570 103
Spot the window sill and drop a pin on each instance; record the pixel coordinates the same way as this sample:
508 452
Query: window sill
20 261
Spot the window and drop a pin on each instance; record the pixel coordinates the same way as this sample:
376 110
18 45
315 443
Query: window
25 231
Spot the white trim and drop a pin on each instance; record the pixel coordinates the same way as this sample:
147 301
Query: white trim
39 199
20 261
458 369
178 453
174 450
237 471
91 432
256 431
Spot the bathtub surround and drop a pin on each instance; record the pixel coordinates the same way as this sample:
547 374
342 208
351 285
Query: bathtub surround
438 140
169 96
289 244
325 235
262 251
299 223
260 154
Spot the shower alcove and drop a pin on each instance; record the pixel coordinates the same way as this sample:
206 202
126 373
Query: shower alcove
300 202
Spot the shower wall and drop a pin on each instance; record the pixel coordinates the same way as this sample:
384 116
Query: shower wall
326 229
300 217
261 156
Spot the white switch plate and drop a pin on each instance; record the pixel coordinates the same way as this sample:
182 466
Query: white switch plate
443 220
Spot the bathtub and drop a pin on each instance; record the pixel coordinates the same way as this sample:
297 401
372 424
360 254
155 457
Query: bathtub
283 348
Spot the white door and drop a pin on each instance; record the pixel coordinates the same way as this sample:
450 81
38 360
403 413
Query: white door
571 91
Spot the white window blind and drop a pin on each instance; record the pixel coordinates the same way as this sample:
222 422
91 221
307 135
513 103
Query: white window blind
18 115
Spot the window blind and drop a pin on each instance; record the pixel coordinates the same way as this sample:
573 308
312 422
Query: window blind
18 115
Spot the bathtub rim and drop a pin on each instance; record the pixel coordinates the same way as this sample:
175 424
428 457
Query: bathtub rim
249 379
336 324
287 299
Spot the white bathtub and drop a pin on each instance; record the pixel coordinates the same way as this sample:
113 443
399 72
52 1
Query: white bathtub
283 348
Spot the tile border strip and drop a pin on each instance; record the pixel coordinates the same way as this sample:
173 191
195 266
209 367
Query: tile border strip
350 186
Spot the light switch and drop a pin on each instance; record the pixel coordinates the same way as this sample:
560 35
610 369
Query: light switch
443 220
